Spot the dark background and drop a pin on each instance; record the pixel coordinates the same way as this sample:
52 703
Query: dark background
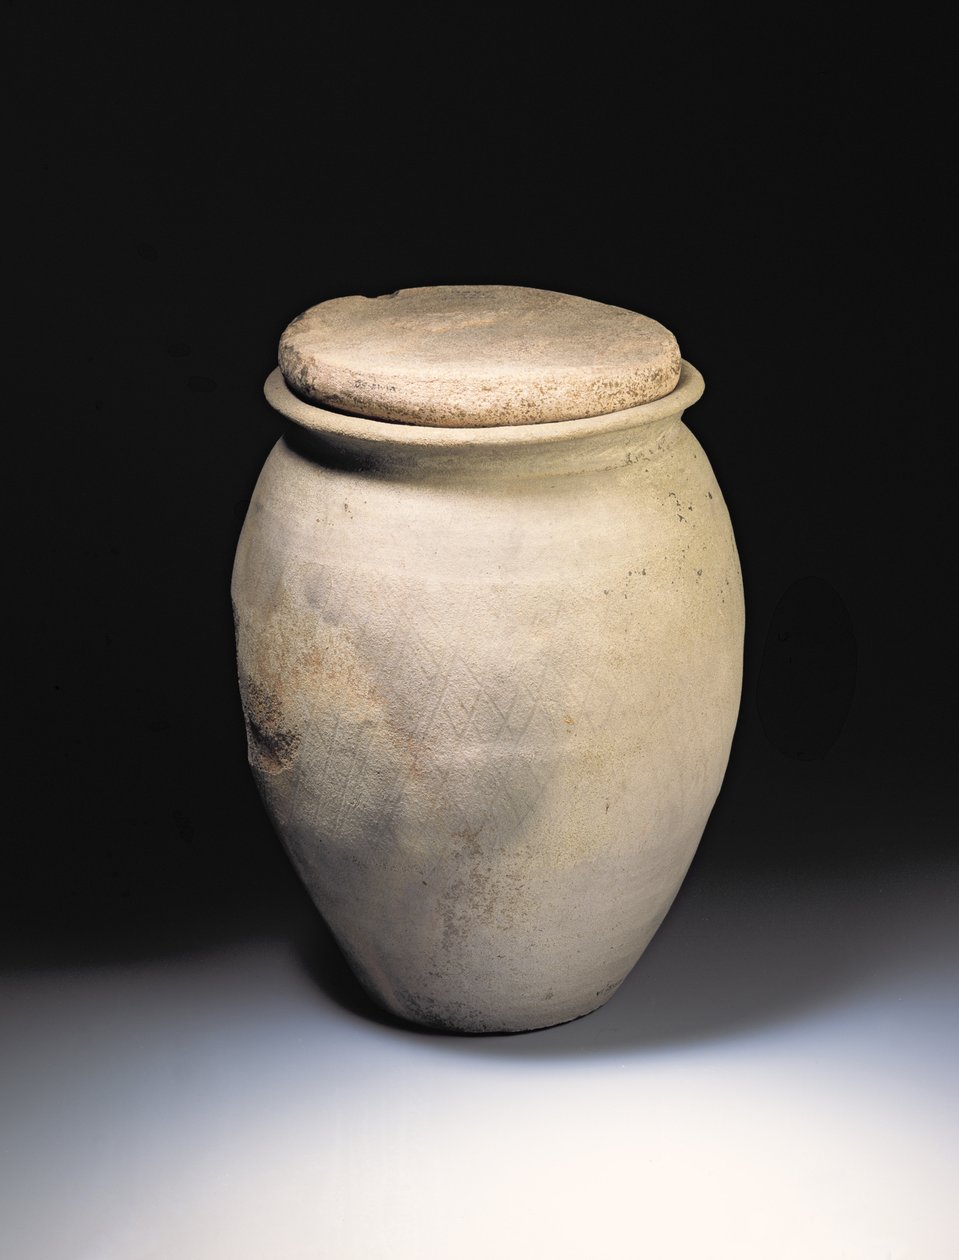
773 190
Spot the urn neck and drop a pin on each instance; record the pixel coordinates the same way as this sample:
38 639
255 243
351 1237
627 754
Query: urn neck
391 449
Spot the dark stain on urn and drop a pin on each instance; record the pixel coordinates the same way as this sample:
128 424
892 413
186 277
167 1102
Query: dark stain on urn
272 745
451 1017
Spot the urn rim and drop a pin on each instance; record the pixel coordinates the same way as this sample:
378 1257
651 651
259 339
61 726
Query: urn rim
387 434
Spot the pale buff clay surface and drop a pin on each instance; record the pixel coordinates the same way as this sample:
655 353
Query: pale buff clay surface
491 678
477 355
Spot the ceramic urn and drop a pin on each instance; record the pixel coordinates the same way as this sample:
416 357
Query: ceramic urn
489 626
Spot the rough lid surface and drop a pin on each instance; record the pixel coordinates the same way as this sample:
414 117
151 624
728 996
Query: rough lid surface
477 355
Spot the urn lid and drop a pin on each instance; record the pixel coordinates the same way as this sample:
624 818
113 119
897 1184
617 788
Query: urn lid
471 356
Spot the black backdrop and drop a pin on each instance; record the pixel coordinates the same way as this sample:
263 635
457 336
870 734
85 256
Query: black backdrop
183 182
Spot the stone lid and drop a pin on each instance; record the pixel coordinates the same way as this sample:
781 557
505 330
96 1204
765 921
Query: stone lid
472 356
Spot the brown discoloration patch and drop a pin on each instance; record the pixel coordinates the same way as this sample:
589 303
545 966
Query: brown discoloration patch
468 835
272 745
303 673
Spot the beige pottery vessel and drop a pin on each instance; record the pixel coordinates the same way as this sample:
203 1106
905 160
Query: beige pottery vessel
490 679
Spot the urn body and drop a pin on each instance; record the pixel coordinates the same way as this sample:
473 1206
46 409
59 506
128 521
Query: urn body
490 680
